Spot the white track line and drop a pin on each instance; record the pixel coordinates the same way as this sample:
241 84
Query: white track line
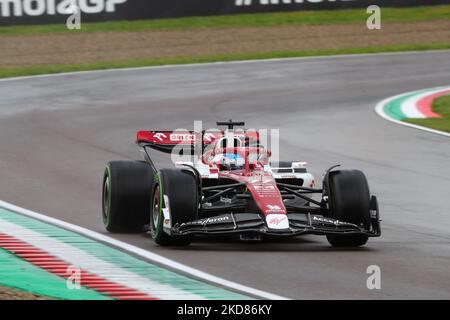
379 109
193 65
144 254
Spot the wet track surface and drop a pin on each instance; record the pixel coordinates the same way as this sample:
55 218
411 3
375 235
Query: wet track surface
58 132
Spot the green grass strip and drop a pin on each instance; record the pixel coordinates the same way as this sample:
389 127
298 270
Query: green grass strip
441 106
20 274
426 13
49 69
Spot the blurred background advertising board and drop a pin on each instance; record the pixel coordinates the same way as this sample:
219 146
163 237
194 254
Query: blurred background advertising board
19 12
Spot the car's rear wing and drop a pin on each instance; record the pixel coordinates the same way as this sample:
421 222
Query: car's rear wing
165 141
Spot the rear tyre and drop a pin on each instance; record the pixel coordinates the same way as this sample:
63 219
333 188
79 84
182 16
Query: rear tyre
126 194
177 191
349 199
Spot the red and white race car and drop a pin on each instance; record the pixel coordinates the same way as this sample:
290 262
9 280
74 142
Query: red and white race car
232 188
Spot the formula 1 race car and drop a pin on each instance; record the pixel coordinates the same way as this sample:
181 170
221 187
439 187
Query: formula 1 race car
232 188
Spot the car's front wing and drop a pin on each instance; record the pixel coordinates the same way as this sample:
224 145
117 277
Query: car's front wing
240 223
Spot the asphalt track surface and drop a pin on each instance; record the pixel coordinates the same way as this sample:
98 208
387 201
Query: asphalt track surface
57 133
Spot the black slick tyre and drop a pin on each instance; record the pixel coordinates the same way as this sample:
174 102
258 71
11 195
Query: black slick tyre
175 190
126 196
349 199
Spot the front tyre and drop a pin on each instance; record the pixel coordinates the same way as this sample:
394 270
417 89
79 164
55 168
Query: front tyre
126 196
349 199
175 192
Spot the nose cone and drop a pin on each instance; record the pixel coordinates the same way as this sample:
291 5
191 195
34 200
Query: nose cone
277 221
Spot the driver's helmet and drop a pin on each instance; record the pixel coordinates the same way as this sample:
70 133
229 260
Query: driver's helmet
232 161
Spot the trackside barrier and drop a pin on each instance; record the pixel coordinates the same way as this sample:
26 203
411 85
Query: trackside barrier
19 12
